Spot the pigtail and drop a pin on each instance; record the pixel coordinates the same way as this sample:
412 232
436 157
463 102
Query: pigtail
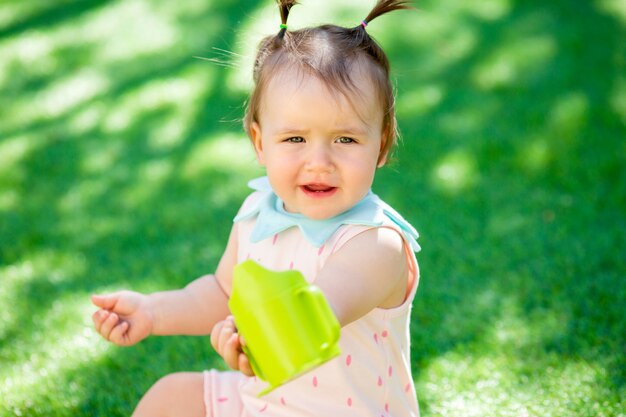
359 34
361 40
385 6
284 6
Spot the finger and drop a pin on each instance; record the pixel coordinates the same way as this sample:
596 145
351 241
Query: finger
106 301
231 352
215 335
98 318
228 329
244 365
108 325
119 334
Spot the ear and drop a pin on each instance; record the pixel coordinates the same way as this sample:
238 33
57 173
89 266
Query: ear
382 160
383 153
255 136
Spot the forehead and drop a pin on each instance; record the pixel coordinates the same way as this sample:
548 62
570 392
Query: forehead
291 87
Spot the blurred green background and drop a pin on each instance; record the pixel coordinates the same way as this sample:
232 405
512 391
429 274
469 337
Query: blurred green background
122 163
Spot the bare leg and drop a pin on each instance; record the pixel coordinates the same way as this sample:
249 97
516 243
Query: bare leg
179 394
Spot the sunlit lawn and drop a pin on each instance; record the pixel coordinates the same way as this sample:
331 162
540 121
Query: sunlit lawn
122 163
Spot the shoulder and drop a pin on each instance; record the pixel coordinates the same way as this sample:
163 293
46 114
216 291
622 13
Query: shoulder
377 244
373 252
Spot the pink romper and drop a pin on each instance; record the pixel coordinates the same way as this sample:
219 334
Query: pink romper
371 377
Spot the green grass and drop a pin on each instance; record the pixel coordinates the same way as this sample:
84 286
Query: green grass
122 162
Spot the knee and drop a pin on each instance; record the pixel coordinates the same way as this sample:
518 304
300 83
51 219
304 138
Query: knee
169 384
171 394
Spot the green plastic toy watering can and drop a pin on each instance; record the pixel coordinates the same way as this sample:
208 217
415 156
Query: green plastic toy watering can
286 323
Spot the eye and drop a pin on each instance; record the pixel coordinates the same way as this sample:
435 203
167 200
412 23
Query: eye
295 139
345 139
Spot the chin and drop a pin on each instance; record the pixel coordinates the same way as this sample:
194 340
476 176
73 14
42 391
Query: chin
320 214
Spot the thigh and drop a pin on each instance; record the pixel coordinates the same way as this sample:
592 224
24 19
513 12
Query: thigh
179 394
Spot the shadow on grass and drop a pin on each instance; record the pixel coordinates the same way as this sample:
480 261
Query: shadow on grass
55 15
517 184
129 228
512 173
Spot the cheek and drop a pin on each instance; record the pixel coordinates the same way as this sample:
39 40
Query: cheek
365 161
371 165
361 172
277 164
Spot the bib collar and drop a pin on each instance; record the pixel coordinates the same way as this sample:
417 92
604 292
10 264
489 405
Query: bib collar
272 218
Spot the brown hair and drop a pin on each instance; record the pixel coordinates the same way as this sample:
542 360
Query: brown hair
330 53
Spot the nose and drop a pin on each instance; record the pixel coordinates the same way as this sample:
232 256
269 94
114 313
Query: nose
319 159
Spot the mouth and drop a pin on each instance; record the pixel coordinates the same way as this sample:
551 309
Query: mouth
318 190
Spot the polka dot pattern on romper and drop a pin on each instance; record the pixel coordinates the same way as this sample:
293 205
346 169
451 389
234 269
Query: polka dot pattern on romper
381 373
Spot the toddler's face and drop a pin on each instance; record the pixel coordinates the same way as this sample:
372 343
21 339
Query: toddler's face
320 152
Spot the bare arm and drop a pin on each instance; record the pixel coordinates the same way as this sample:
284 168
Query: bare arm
195 309
192 310
369 271
127 317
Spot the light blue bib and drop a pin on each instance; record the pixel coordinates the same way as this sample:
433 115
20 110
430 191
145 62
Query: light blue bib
273 219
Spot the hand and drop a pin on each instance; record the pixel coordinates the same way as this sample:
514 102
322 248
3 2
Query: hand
228 344
124 317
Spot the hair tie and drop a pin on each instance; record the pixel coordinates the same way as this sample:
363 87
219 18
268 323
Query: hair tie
283 26
364 23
